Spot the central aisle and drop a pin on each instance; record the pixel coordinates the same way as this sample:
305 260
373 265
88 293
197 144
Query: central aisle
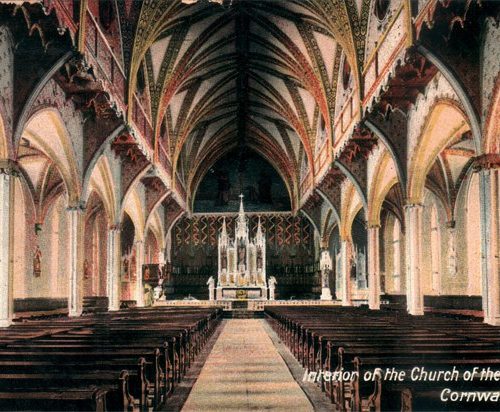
245 372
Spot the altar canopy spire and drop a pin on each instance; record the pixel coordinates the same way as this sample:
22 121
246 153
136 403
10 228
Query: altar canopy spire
224 229
259 236
242 210
242 261
241 224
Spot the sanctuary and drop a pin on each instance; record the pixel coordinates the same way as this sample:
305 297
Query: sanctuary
241 261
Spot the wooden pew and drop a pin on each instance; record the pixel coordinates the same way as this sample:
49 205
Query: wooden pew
100 351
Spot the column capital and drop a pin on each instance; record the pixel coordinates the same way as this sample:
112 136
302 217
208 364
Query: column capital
373 226
413 205
486 162
9 167
114 228
76 207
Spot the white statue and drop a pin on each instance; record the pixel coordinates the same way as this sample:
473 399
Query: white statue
272 286
325 266
157 292
211 288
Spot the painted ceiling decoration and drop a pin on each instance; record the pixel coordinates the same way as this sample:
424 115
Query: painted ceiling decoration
259 75
313 87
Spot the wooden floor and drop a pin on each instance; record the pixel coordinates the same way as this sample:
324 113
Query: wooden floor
244 371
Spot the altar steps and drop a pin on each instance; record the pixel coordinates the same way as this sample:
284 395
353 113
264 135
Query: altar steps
243 314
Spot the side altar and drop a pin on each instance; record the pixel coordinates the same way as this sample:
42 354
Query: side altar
241 262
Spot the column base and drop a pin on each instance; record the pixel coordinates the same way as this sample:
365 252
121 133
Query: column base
495 321
75 314
374 306
416 312
5 323
326 294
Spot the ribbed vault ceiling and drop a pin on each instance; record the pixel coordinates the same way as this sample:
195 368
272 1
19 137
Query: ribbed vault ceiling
259 74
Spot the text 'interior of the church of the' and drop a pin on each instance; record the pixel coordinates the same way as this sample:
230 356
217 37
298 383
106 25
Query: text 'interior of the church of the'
267 187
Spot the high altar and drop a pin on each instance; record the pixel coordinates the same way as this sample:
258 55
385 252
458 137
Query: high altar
242 262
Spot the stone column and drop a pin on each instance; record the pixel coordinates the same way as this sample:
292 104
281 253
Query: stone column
345 284
452 252
76 247
489 199
113 268
6 231
139 259
414 293
373 267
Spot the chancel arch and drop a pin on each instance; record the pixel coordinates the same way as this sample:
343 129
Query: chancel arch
244 173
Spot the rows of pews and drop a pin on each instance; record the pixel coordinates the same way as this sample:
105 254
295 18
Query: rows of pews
339 339
129 360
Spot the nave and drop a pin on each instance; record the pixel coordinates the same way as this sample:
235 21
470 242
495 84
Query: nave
362 136
244 371
137 359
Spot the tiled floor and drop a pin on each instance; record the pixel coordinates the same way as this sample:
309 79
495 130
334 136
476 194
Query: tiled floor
243 372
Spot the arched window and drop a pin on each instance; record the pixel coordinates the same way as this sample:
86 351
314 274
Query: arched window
141 80
381 8
396 245
435 250
106 13
321 131
346 74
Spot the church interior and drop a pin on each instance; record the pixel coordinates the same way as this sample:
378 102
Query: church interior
211 205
